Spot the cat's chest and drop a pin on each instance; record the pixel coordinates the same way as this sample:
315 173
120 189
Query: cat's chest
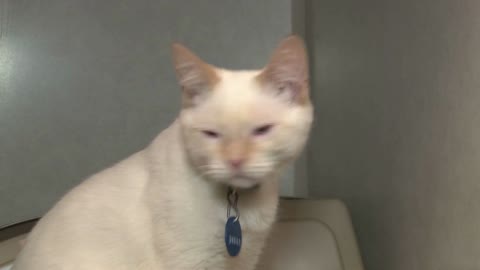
200 243
210 253
190 230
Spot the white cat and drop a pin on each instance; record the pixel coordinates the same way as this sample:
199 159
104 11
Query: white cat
165 207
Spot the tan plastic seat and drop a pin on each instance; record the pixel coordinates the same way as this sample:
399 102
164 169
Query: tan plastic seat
8 251
310 235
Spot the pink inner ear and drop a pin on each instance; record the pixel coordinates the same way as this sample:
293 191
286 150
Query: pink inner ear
194 75
292 87
288 70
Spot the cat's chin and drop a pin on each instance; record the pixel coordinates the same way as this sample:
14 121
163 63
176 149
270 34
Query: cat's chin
242 183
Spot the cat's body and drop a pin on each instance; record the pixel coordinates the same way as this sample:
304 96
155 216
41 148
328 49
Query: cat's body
165 207
168 218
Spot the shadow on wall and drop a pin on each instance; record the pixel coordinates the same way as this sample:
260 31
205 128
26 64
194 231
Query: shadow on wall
397 131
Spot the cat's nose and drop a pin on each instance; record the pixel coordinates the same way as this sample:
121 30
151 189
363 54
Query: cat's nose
236 163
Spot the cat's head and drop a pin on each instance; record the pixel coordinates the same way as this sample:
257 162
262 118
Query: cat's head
239 127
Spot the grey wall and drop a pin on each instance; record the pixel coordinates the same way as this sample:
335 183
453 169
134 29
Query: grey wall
397 90
85 83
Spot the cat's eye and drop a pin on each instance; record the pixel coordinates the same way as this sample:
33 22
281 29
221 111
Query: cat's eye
262 130
211 134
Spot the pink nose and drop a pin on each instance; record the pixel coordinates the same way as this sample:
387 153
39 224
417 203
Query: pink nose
236 163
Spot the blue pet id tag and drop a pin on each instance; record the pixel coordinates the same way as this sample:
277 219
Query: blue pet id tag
233 236
233 230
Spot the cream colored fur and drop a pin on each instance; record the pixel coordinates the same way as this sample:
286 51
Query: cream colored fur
165 206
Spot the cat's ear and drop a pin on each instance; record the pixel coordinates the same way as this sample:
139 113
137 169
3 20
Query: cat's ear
287 71
195 76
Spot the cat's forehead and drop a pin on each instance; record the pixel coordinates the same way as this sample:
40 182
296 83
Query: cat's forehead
239 98
237 82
